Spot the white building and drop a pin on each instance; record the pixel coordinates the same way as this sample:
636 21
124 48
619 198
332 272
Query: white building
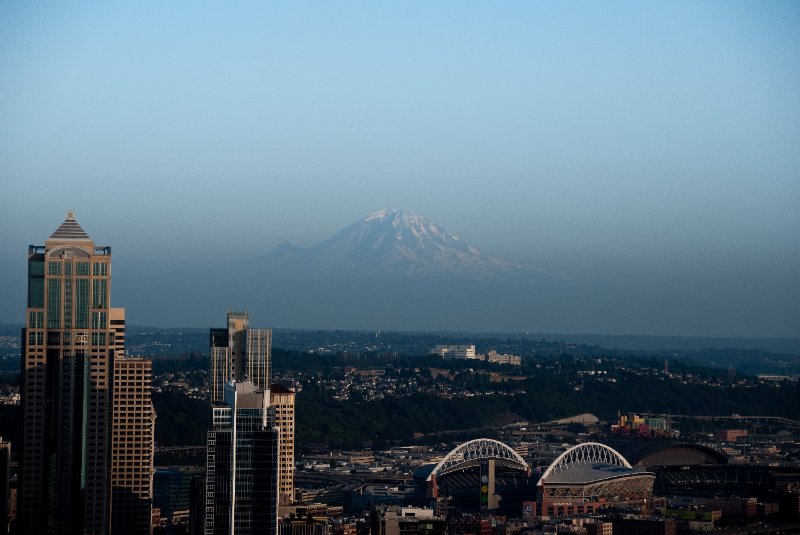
455 352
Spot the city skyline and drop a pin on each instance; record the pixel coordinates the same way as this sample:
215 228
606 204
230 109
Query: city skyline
647 152
88 426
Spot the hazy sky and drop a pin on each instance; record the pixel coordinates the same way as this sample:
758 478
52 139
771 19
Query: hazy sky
650 150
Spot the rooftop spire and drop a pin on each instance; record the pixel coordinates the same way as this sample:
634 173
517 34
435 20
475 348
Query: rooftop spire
70 230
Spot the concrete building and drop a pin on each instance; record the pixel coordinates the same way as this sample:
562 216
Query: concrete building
67 376
501 358
630 421
455 351
599 528
116 320
396 520
132 446
282 408
658 423
730 435
242 465
239 353
305 526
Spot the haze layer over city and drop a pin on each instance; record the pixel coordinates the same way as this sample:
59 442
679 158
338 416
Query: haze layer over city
621 168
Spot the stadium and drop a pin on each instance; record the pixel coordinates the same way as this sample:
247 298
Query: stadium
589 477
487 475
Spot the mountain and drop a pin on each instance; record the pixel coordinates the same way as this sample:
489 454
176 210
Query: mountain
391 270
390 242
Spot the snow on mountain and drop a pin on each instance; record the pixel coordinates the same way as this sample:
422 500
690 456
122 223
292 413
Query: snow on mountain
393 242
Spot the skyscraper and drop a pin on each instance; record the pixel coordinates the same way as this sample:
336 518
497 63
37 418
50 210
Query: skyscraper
67 373
83 403
239 353
282 410
242 465
132 437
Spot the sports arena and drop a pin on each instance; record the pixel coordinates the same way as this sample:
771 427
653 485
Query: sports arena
589 477
488 475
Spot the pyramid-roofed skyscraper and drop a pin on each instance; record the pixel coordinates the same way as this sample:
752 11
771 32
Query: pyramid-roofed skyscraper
68 357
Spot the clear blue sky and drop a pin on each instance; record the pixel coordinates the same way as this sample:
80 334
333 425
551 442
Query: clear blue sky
647 149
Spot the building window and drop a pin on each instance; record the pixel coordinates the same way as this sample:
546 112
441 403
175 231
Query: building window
99 293
53 303
99 320
100 269
36 320
81 303
35 284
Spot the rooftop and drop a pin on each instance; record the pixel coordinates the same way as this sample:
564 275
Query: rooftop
276 388
585 473
70 230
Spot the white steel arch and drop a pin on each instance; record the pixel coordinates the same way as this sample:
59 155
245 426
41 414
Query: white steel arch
586 453
473 452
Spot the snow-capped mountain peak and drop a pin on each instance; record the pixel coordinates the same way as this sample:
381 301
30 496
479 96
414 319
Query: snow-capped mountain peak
407 220
394 241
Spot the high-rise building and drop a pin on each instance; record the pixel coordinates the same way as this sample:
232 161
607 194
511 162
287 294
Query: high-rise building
132 446
67 374
238 353
88 420
282 409
116 319
242 465
5 485
172 495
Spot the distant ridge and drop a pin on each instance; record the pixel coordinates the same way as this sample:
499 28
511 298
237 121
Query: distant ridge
746 355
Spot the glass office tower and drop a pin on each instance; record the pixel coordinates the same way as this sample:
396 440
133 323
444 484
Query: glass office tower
242 465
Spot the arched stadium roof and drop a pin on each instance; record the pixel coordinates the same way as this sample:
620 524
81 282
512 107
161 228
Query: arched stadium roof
472 453
587 463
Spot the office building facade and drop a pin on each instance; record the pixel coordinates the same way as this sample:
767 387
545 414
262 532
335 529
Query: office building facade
67 374
282 408
74 422
455 351
238 353
132 449
242 465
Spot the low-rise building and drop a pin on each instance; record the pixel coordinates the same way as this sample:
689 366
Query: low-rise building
455 351
730 435
497 358
395 520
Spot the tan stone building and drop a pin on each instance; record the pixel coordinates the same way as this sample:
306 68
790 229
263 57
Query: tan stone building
68 394
238 353
282 401
132 437
65 482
